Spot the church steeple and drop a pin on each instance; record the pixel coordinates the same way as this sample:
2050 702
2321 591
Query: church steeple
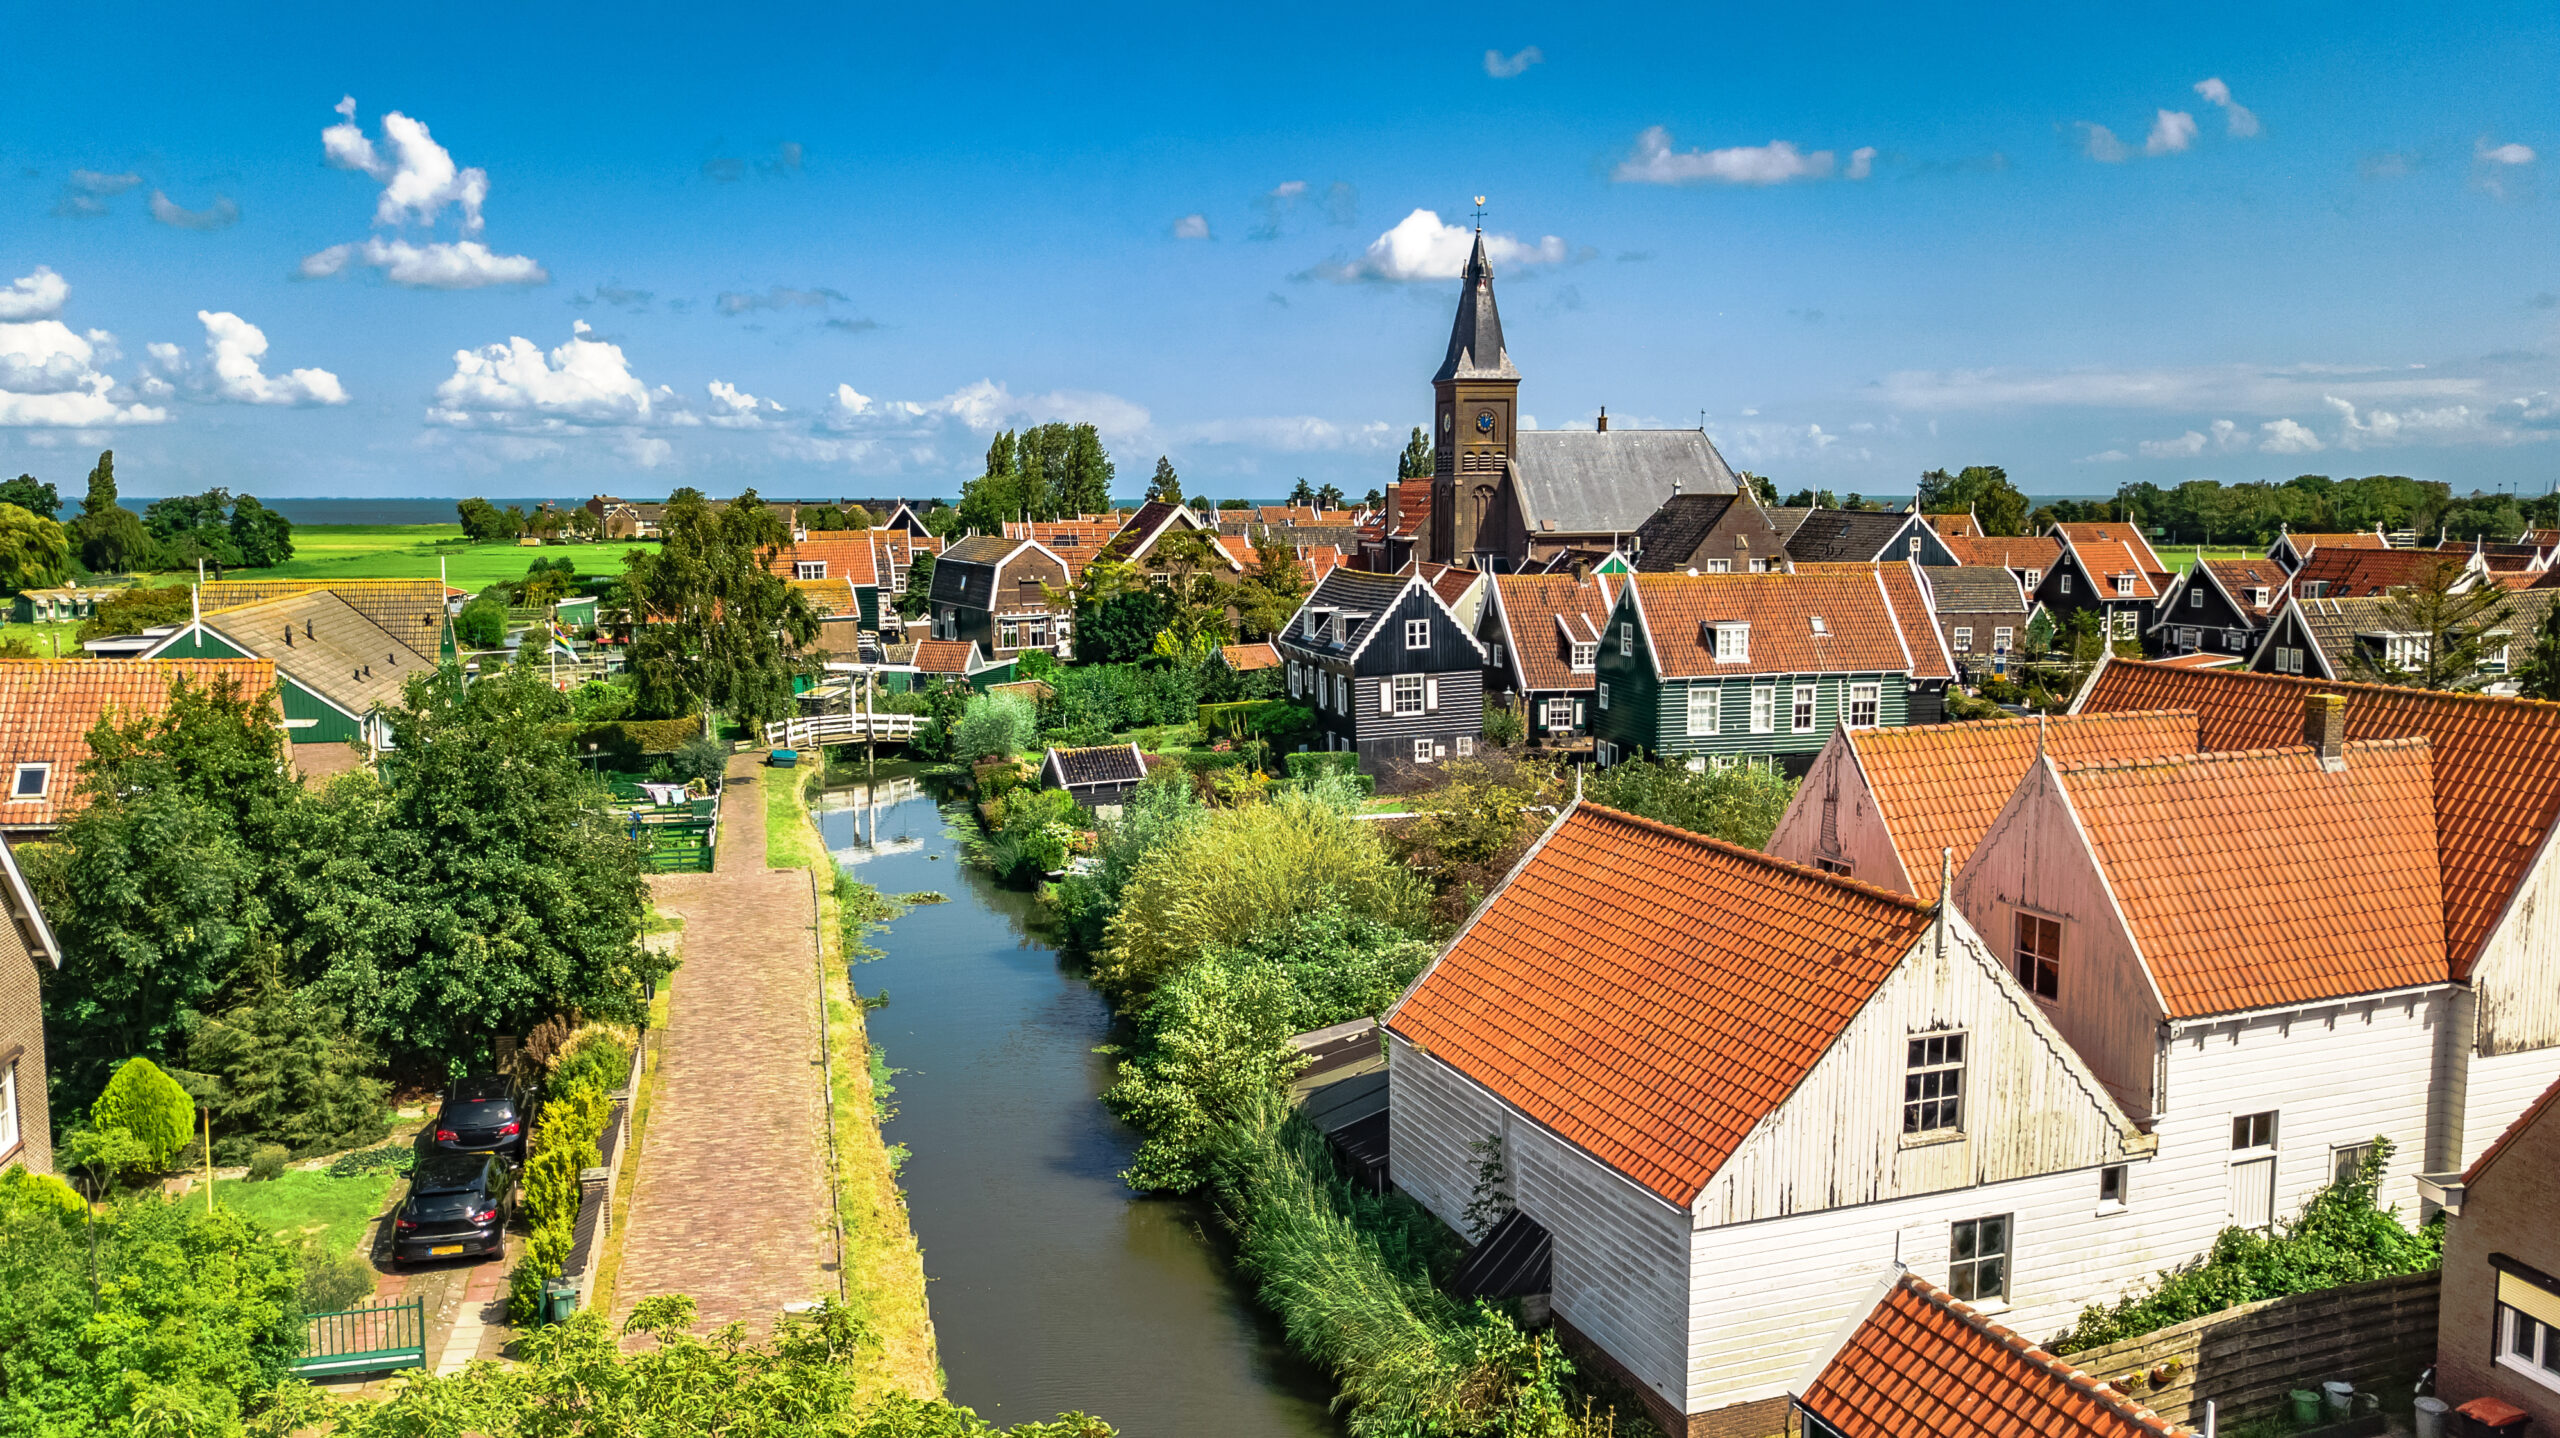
1476 402
1475 337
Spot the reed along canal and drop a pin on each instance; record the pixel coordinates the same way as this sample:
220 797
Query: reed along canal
1053 1287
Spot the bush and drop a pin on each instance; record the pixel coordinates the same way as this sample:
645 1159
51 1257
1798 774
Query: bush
1095 701
1033 833
627 741
333 1280
702 758
287 1073
482 624
578 1104
20 1187
396 1158
1740 805
995 726
1316 763
1505 725
147 1104
267 1162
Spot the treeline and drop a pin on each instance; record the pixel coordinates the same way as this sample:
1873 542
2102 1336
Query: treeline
218 528
2204 511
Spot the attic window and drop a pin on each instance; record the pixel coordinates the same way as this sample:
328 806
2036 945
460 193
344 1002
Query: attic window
31 781
1586 656
2124 584
2258 598
1731 643
1820 629
808 569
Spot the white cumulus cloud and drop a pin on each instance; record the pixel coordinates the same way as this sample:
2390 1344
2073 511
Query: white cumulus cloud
2284 436
2100 144
1862 163
2172 131
2223 438
733 408
2237 118
2497 168
585 383
420 181
1655 162
1191 227
50 375
233 368
1420 247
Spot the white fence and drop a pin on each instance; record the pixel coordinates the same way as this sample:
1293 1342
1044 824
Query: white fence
840 729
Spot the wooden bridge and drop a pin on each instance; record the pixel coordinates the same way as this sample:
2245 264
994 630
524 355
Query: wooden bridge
810 733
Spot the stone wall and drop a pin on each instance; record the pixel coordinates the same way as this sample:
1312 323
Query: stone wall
2246 1359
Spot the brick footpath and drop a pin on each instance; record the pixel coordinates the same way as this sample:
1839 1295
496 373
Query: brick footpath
730 1201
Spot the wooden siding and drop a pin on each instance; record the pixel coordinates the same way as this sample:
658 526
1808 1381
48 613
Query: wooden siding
1620 1275
2496 1089
2034 857
1837 782
309 719
2517 975
2213 619
2030 1106
1453 665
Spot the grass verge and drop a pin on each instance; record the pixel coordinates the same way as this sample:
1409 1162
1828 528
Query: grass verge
333 1213
883 1268
627 1180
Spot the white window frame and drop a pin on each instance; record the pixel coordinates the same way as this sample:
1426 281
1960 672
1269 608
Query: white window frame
1422 751
2124 586
1496 649
1466 745
1408 687
1804 708
1704 717
1559 715
2120 1177
1586 656
1932 1083
1626 638
1604 693
18 793
2066 584
1008 634
1719 566
1866 700
2124 623
1963 641
9 1135
2516 1340
2002 639
1417 634
1733 643
808 569
2253 1142
1964 1275
2195 597
2036 577
1342 693
1764 708
1297 682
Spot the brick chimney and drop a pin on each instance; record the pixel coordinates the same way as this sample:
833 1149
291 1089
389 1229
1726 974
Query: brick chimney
1604 419
2324 728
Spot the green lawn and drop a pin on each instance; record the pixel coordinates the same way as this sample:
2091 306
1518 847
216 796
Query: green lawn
2181 558
411 551
334 1211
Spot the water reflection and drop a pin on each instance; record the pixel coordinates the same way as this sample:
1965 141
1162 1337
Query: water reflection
1052 1286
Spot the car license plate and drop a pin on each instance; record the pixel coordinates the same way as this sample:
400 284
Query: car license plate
442 1249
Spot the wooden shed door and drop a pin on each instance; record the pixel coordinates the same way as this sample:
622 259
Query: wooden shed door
2253 1192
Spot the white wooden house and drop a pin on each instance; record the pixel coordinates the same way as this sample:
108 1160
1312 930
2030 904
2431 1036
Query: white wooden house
2496 791
1732 1089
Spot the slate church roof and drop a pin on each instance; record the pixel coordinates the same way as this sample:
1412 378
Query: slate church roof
1584 481
1475 336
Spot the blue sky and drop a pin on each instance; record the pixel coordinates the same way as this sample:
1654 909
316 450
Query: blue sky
828 251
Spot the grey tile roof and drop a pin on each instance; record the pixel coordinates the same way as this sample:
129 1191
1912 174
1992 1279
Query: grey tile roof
1829 536
1787 520
1102 764
2336 624
1974 589
1475 336
335 651
1671 534
1611 481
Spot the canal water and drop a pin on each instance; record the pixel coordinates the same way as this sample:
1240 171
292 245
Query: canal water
1052 1286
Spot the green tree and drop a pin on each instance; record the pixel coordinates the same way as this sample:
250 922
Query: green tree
34 551
191 527
999 494
1268 596
263 537
2538 672
483 522
484 886
917 597
482 624
1740 805
1982 488
718 628
286 1070
148 1105
1764 487
1418 460
1166 487
995 726
1329 496
1304 494
1086 485
110 537
36 498
2437 630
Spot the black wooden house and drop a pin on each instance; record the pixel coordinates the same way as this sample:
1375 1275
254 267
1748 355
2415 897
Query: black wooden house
1389 668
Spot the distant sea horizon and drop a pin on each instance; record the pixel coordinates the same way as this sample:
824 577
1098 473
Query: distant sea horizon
440 509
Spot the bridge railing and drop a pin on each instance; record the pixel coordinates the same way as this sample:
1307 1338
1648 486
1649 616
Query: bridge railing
811 732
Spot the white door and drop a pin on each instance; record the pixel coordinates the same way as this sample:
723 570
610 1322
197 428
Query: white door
2253 1192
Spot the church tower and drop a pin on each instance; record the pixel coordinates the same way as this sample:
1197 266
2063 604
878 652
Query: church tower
1475 421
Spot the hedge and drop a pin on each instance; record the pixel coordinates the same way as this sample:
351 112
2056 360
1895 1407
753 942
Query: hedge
1315 764
590 1066
1274 719
631 738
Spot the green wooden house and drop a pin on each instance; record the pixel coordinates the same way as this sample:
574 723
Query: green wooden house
336 668
1760 668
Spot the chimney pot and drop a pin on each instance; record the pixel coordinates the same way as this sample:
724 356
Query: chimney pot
1604 419
2324 728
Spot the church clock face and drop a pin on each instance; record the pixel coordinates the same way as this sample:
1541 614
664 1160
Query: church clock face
1484 421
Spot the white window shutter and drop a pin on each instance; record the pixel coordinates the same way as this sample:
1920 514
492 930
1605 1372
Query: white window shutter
1577 711
1386 696
1430 694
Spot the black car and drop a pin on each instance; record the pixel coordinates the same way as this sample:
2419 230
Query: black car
487 1113
458 1205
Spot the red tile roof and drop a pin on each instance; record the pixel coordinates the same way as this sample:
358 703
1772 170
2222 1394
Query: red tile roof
2108 549
944 656
1939 786
849 556
2363 573
48 707
2497 765
1924 1365
2525 1120
1540 649
1650 994
2035 551
2259 878
1860 632
2241 578
2352 539
1246 658
1448 581
1413 507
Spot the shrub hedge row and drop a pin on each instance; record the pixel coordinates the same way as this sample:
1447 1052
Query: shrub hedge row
577 1105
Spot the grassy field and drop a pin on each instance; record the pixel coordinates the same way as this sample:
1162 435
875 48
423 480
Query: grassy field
412 551
308 1202
2181 560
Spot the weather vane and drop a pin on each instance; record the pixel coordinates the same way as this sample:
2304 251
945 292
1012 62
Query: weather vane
1479 212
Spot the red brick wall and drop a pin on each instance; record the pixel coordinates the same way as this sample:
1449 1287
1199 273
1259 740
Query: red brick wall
2514 1210
22 1027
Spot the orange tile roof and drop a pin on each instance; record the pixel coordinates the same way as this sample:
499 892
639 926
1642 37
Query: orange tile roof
2204 659
1320 560
48 707
2352 539
1413 506
2242 577
1911 610
944 656
1540 649
1860 630
1246 658
2497 765
1939 786
1447 580
1924 1365
2525 1120
2258 878
1650 994
2366 573
849 555
827 597
2032 551
1959 525
2108 549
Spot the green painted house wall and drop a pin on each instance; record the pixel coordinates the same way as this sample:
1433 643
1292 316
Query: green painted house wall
309 719
866 600
1651 716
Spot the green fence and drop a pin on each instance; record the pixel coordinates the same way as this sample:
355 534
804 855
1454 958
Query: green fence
681 846
365 1340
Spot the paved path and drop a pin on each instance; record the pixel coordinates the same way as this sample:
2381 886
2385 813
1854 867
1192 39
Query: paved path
730 1200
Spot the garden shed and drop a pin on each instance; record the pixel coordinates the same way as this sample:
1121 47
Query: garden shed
1097 776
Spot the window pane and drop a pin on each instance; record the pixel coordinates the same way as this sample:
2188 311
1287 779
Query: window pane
1991 1279
1964 1241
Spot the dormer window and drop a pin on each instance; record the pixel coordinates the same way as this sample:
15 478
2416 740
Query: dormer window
2124 585
2034 578
808 569
1316 619
1586 657
1730 642
2257 598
